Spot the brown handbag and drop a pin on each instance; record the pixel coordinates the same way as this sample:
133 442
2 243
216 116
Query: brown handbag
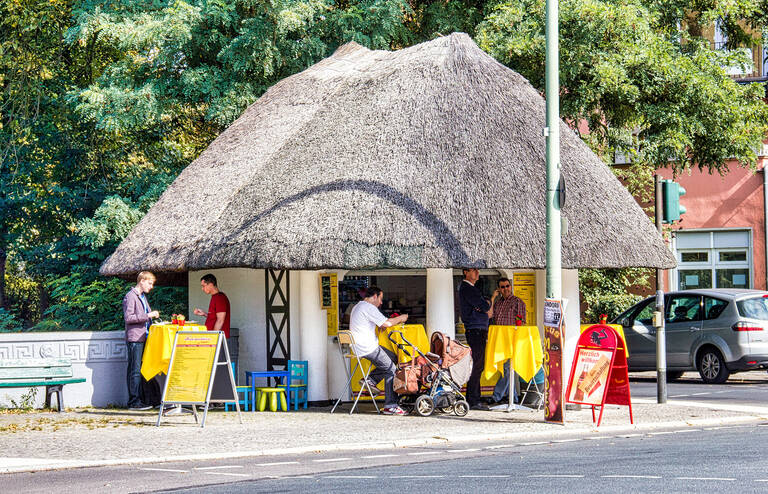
407 379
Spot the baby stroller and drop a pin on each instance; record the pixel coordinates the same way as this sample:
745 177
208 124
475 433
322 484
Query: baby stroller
433 381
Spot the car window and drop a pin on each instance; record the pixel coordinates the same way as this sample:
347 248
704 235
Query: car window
684 308
755 308
645 314
713 307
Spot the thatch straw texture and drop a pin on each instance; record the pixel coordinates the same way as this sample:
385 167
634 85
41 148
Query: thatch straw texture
431 156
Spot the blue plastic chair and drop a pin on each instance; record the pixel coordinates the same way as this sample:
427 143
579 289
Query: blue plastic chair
297 385
246 394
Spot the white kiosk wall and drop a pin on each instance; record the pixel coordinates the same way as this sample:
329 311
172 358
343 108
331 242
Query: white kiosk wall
245 290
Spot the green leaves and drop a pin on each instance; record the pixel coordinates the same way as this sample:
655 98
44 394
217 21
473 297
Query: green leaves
642 92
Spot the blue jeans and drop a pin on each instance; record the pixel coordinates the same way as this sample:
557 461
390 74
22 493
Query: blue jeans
135 352
502 385
384 363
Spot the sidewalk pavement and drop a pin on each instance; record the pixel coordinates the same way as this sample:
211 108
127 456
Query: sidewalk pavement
41 440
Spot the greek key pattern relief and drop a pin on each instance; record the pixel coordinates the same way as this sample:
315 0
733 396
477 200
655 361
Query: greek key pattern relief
76 351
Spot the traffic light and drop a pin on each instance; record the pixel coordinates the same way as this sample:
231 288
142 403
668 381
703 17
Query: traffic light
671 192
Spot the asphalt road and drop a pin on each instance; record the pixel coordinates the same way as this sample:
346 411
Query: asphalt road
717 459
746 388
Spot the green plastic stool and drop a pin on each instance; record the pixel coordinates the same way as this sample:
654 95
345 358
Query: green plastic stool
273 393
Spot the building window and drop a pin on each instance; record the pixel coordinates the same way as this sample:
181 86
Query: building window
714 259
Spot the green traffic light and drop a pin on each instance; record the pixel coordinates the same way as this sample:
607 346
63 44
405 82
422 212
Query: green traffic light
671 207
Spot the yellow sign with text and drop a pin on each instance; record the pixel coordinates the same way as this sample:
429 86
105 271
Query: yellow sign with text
189 375
329 289
525 289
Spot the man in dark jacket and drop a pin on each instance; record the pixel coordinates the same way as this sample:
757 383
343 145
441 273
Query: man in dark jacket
475 311
138 316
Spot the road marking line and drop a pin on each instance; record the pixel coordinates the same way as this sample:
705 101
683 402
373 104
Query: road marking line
598 438
554 476
534 444
681 431
274 464
217 468
761 480
425 453
630 476
328 460
629 435
498 446
461 450
350 477
293 477
164 470
566 440
703 478
378 456
484 476
701 394
228 473
418 477
660 433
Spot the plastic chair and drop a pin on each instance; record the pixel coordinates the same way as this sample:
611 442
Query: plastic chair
244 390
536 387
346 348
297 386
273 394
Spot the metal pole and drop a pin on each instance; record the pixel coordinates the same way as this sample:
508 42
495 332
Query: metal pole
661 352
552 133
661 338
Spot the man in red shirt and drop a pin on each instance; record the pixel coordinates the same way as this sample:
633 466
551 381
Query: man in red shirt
217 317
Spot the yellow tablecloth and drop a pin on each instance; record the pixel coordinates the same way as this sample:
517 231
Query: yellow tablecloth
415 333
158 347
618 329
522 344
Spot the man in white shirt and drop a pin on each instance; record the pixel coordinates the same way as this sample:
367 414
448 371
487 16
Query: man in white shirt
363 320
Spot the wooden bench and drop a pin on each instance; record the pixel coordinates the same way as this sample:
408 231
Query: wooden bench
53 373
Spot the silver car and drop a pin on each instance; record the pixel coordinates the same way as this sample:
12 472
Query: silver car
714 331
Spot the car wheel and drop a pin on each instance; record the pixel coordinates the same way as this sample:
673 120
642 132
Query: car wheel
711 366
674 375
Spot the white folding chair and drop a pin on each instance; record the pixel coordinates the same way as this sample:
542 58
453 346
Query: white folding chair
535 389
346 349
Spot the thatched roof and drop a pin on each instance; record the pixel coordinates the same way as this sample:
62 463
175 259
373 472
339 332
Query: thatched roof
430 156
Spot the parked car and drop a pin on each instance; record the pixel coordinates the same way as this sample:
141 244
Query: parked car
714 331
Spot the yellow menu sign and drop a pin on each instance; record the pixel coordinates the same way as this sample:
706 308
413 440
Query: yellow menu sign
329 290
189 375
525 289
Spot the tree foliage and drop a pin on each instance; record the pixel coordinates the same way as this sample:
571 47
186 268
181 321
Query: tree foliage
103 103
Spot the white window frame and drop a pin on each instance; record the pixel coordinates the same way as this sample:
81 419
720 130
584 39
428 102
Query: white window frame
713 262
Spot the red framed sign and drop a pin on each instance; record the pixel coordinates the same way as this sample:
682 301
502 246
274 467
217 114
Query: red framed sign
599 374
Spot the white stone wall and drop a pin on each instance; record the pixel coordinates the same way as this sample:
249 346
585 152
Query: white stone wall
99 357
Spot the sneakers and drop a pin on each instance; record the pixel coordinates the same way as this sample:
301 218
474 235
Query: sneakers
393 410
140 407
374 390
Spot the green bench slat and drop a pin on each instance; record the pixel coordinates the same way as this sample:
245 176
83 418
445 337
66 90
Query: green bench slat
21 384
18 373
36 362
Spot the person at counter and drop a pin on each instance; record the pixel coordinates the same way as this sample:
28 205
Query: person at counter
217 317
475 311
138 316
363 320
506 310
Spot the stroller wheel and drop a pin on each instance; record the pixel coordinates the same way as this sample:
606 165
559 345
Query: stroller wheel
461 408
447 409
425 406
